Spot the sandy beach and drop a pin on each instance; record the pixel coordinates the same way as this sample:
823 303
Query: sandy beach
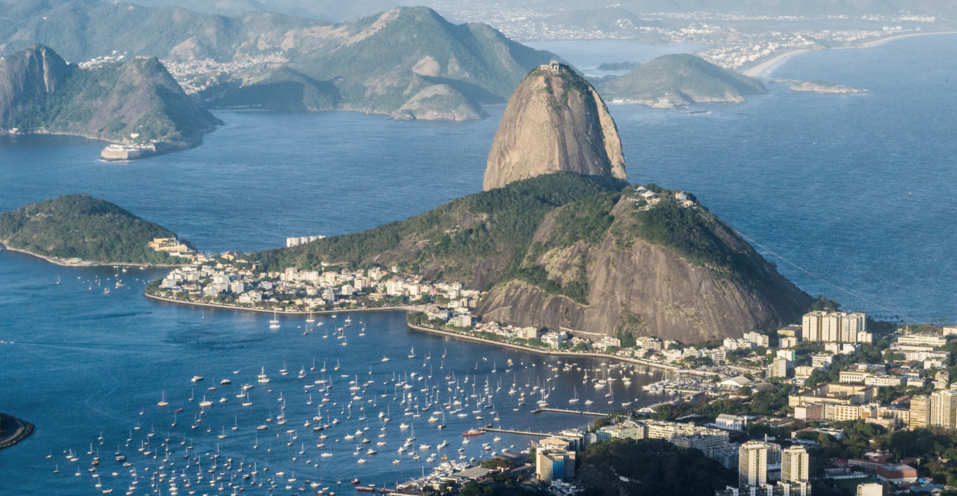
765 66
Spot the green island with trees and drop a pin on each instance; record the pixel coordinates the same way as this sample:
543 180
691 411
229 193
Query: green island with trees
81 227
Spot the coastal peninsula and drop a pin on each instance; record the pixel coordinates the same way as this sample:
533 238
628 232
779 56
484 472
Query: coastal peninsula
824 87
566 244
80 230
136 103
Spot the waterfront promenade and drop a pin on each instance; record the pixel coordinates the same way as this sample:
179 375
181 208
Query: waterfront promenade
540 351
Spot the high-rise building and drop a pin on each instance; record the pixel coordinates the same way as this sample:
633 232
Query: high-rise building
835 327
831 327
811 326
794 463
919 412
779 367
752 464
943 408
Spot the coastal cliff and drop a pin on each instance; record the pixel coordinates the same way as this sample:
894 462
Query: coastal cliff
136 102
679 80
555 121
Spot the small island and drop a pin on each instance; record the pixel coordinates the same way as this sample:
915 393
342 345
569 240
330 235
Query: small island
618 66
679 80
80 230
824 87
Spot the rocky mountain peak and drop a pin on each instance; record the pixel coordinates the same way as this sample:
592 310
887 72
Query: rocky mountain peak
27 73
555 121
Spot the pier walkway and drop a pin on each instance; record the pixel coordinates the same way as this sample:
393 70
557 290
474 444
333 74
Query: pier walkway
576 412
511 431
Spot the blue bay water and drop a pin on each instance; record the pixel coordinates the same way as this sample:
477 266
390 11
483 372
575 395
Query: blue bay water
856 190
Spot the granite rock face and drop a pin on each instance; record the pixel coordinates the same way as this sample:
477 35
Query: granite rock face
27 74
647 289
555 121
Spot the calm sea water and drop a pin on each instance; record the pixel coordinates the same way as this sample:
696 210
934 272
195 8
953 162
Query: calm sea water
854 190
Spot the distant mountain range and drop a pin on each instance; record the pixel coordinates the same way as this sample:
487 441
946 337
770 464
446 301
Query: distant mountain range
680 79
407 62
349 10
132 102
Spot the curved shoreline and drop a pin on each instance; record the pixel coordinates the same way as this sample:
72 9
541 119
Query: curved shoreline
871 44
24 429
760 69
405 308
87 263
636 361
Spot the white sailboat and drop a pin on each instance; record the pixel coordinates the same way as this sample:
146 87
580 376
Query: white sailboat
274 323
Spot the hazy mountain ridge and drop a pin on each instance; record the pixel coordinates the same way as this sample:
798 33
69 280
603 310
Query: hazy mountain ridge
377 64
135 101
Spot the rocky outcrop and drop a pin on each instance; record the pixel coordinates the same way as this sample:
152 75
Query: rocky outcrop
555 121
646 288
29 74
824 87
440 102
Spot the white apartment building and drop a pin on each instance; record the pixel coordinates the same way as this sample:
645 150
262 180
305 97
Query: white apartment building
794 464
835 327
752 464
943 408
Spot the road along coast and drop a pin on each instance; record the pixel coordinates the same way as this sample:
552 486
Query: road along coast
529 349
63 262
405 308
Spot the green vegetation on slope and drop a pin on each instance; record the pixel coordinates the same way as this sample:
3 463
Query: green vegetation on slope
480 238
681 79
651 467
487 238
77 226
